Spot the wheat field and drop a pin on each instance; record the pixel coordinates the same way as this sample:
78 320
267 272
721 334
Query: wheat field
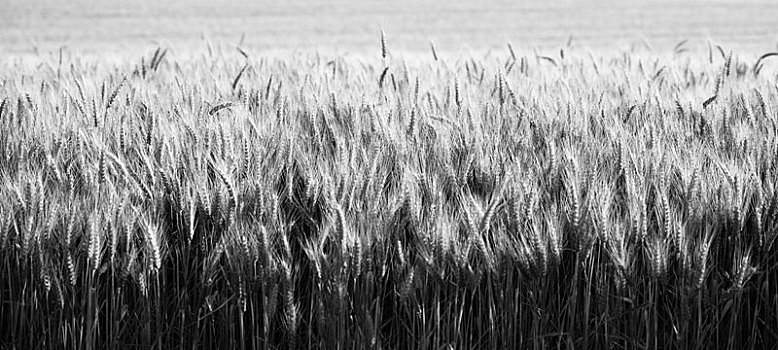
515 201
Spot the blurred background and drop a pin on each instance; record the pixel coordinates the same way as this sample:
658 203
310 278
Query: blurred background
108 26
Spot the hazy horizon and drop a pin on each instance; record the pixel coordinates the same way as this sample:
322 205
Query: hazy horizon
343 26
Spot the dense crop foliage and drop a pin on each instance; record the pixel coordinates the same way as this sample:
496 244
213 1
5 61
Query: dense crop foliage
506 202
